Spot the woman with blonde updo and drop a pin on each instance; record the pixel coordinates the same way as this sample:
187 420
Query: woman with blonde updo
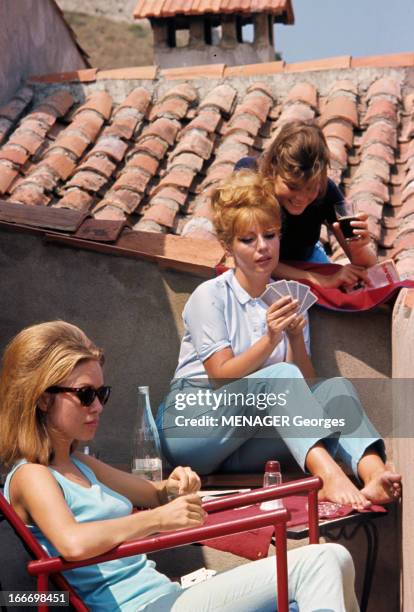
257 356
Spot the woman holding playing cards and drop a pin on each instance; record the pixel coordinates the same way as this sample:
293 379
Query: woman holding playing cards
231 333
296 162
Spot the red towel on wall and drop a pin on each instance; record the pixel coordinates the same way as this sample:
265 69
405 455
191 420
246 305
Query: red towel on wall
335 299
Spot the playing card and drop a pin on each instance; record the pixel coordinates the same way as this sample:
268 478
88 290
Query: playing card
269 296
309 300
195 577
280 287
303 291
293 288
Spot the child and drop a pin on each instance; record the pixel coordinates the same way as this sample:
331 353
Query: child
297 163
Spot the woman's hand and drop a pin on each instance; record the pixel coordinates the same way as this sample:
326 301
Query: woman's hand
183 512
279 316
347 276
296 327
181 481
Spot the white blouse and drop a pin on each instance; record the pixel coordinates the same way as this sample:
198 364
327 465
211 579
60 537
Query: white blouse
221 314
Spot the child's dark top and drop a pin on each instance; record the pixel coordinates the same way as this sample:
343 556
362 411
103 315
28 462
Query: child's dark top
301 232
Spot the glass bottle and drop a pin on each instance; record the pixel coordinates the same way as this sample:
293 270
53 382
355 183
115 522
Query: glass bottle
146 450
272 476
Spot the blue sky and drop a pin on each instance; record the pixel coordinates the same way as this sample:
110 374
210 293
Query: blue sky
327 28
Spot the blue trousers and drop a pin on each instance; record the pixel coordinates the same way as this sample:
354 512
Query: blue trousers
222 434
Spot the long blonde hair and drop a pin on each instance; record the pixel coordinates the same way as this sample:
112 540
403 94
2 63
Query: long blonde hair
39 357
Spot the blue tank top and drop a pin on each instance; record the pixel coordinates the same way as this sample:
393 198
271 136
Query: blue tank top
122 584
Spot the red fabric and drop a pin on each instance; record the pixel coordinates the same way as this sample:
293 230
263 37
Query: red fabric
335 299
255 544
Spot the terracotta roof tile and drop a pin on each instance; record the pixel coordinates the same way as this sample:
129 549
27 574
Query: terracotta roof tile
133 72
169 8
99 163
383 61
32 195
375 188
331 63
246 123
343 86
167 129
87 180
145 161
61 101
73 141
298 110
15 154
381 109
190 160
194 142
162 213
384 86
381 132
373 168
337 150
100 102
221 97
60 163
110 213
7 176
83 76
303 92
173 107
112 146
257 105
340 107
153 145
377 149
212 71
76 199
123 199
133 179
174 194
183 90
178 177
254 69
139 99
207 120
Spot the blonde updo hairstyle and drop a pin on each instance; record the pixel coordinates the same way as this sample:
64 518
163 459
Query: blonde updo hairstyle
39 357
242 200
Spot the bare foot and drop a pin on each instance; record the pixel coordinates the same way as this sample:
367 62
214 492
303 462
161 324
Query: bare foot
338 488
383 487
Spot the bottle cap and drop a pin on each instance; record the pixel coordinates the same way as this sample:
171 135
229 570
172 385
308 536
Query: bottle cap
272 466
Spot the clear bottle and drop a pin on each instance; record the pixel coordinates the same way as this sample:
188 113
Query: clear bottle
272 476
146 450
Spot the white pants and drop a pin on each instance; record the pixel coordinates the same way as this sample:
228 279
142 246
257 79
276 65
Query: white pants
321 579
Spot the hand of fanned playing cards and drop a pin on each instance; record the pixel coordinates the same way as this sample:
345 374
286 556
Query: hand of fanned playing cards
282 288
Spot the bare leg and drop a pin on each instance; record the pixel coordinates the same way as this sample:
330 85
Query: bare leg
382 482
337 487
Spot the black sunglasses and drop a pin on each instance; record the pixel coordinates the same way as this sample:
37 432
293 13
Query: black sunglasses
86 395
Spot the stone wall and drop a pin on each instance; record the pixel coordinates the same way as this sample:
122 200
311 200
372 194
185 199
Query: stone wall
119 10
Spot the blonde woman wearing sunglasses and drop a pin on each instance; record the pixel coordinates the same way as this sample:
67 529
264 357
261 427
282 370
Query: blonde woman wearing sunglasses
51 396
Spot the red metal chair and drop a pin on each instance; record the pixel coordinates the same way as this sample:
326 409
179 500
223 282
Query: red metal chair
44 566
